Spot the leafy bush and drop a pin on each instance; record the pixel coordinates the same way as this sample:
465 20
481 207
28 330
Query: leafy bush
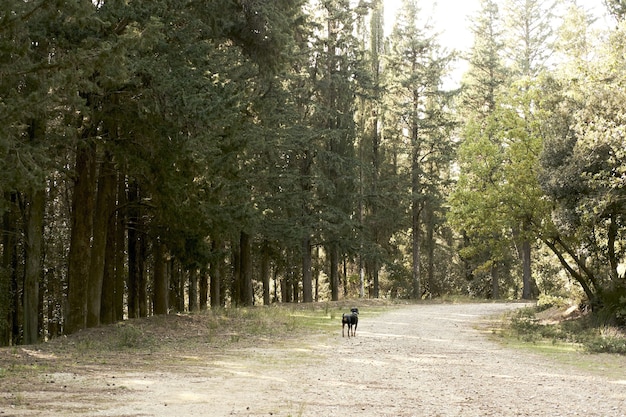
584 331
612 310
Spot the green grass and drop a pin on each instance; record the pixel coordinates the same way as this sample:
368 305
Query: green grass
524 326
218 328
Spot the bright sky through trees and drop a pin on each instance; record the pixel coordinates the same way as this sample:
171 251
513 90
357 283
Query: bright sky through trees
450 18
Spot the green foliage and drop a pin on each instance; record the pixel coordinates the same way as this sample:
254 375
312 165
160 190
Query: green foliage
525 325
582 168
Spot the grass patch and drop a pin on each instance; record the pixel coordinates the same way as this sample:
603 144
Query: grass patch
562 331
168 342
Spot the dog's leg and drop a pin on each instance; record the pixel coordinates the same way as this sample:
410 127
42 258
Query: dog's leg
355 324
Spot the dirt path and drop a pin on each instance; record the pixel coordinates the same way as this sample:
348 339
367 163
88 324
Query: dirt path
425 360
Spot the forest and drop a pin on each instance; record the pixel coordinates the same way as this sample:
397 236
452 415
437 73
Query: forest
180 155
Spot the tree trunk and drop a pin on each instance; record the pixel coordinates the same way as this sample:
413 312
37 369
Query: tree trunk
526 271
295 284
107 300
265 273
215 284
495 282
307 277
133 250
376 281
120 253
6 272
237 276
193 289
334 272
143 275
9 300
137 285
33 265
204 289
317 274
416 192
80 238
430 242
416 236
174 297
345 276
246 269
161 284
105 207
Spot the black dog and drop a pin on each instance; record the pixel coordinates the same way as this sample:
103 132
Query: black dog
351 319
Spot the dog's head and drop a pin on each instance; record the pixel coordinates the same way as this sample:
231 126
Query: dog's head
354 310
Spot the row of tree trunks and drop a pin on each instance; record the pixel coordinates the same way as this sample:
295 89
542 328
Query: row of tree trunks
107 217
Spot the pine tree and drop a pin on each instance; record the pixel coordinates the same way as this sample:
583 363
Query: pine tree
474 200
417 65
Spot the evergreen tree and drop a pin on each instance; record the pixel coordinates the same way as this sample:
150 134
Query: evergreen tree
474 201
417 65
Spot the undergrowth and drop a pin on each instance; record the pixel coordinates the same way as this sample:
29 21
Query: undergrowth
215 328
526 325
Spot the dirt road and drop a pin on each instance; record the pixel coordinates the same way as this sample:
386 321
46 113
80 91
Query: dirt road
424 360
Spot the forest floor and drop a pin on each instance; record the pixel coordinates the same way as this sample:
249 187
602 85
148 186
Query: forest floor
413 360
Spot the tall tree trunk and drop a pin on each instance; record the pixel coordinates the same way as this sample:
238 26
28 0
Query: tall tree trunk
107 299
204 289
295 283
161 284
317 274
612 234
524 252
215 284
430 242
143 274
133 250
334 272
120 252
104 209
193 289
33 265
307 277
416 242
265 273
9 299
416 192
526 270
137 281
376 280
80 239
495 282
286 286
345 276
246 269
177 286
237 276
6 272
